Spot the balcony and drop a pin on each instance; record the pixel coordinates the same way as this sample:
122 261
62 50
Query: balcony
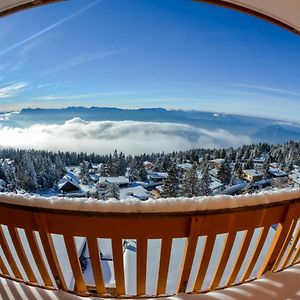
139 253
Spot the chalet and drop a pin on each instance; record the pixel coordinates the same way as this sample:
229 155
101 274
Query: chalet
157 177
155 193
66 185
215 163
136 192
252 175
121 181
148 165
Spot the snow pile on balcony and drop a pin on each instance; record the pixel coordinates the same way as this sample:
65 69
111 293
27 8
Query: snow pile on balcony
152 205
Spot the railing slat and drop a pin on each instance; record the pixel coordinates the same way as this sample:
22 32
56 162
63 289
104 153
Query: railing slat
292 248
165 253
36 252
117 249
229 241
276 250
207 251
75 264
141 266
256 252
96 264
50 252
189 255
296 255
21 254
9 256
3 267
240 256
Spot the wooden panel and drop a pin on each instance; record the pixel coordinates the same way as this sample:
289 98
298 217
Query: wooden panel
21 254
208 248
229 241
189 255
75 264
296 255
165 253
256 252
3 267
9 256
292 249
36 252
240 256
96 264
283 230
141 266
50 252
117 248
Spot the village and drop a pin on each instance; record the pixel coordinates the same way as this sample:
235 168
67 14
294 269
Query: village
240 180
196 172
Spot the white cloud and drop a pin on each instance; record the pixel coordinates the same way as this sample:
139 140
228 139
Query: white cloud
11 90
127 136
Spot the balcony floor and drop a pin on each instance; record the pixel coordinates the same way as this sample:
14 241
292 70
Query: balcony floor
281 285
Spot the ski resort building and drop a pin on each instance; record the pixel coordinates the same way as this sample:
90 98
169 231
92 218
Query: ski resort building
224 247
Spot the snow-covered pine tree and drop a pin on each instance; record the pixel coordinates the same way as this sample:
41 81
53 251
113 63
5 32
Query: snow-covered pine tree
171 184
190 184
224 173
204 183
112 191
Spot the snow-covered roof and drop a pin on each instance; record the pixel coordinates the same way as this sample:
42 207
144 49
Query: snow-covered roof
116 180
217 160
167 205
136 192
295 176
158 175
215 183
252 173
69 177
185 166
277 172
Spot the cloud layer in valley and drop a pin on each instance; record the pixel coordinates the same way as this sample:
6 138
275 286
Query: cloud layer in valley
128 136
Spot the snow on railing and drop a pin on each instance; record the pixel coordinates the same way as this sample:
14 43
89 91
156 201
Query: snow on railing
162 205
156 247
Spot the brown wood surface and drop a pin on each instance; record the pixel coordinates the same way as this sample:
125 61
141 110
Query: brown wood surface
96 264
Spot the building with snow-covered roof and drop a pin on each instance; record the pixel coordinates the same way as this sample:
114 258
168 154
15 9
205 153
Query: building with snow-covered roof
252 175
215 163
121 181
157 177
148 165
137 192
185 166
69 183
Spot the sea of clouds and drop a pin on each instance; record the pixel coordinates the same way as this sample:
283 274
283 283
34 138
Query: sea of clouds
103 137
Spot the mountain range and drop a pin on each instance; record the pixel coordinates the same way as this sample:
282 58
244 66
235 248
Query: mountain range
258 129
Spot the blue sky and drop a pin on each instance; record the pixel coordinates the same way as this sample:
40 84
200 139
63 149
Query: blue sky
142 53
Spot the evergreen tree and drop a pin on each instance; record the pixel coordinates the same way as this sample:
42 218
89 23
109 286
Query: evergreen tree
171 184
190 184
224 173
112 191
204 183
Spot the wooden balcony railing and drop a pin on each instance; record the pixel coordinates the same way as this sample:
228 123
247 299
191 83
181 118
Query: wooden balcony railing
218 248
